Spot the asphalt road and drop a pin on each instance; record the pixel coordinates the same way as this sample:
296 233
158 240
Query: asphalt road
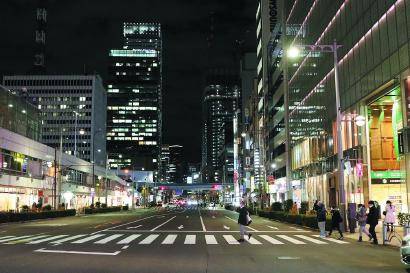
178 241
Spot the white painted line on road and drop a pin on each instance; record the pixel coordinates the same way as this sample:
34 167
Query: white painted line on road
15 238
252 241
231 240
46 239
134 227
25 240
251 228
298 229
304 237
4 237
128 239
68 239
125 247
190 240
202 221
333 240
288 258
78 252
227 228
210 240
148 217
170 239
208 231
213 217
88 239
108 239
149 239
275 228
163 223
290 239
181 227
271 240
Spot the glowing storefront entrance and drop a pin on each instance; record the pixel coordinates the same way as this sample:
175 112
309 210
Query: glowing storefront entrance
387 169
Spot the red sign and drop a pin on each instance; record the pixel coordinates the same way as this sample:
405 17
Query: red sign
271 179
40 193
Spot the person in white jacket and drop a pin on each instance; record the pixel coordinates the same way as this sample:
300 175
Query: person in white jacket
390 215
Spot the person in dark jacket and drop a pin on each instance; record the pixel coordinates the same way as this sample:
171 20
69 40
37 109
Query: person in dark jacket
243 222
336 220
316 206
321 219
373 220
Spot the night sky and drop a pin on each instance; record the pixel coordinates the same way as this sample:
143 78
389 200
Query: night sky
81 32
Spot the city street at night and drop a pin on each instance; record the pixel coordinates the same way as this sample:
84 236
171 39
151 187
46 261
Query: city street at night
182 240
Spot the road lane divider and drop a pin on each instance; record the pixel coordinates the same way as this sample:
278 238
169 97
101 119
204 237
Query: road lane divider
251 228
43 250
202 220
169 220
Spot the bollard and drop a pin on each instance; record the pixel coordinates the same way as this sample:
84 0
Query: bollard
384 232
406 229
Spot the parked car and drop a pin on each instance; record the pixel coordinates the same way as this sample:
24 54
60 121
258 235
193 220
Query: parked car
405 250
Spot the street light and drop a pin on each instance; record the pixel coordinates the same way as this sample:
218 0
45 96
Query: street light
332 48
273 166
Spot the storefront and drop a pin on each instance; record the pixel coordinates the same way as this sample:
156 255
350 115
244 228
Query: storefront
277 190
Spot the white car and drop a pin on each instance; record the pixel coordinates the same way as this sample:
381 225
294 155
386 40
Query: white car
405 250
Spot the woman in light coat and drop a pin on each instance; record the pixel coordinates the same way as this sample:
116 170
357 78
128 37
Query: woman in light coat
390 216
361 218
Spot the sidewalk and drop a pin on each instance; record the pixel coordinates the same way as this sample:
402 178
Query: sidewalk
379 227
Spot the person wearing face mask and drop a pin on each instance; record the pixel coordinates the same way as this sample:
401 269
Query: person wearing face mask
373 220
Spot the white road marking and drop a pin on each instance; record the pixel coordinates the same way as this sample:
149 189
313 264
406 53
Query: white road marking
208 231
252 241
149 239
25 240
190 240
210 240
271 240
290 239
170 239
298 229
88 239
288 258
163 223
228 228
78 252
134 227
187 216
181 227
275 228
213 217
46 239
128 239
68 239
304 237
13 238
202 221
333 240
231 240
251 228
125 247
108 239
4 237
125 224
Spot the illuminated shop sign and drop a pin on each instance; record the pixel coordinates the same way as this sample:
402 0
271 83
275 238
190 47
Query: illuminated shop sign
387 177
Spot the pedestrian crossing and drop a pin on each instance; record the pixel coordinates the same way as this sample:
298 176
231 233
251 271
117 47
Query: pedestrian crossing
168 239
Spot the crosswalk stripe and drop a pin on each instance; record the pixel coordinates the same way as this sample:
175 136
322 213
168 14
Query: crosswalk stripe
46 239
333 240
4 237
108 239
128 239
210 240
170 239
88 239
14 238
190 239
307 238
149 239
231 240
290 239
24 240
68 239
252 241
271 240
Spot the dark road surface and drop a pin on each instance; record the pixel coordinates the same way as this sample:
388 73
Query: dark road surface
179 240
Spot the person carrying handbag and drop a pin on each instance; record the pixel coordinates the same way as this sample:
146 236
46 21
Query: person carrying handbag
244 220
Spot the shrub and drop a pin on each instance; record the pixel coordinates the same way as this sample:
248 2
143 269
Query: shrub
27 216
24 208
229 207
288 205
98 204
277 206
304 207
46 208
404 218
125 207
102 210
103 205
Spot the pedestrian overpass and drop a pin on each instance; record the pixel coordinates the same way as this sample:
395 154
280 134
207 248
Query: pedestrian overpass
188 187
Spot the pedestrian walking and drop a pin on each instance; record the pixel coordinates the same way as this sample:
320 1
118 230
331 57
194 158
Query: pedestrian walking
244 220
316 206
336 220
373 220
321 219
361 218
294 209
390 215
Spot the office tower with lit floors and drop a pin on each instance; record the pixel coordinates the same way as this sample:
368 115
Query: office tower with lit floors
135 99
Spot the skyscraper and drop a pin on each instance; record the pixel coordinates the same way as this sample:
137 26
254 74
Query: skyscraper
135 99
220 102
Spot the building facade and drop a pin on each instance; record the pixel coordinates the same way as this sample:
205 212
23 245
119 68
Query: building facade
134 113
72 111
373 68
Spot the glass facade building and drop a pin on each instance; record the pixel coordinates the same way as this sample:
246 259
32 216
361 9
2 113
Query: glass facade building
134 114
373 65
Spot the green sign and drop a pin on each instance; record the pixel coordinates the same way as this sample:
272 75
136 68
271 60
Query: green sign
387 174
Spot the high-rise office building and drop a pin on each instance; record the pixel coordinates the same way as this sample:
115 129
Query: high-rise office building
72 110
134 105
164 165
176 163
220 102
